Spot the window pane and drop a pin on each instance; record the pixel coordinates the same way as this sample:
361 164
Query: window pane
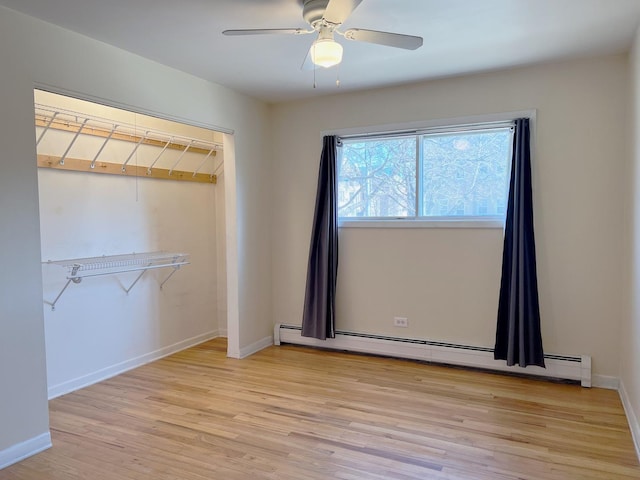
377 178
466 173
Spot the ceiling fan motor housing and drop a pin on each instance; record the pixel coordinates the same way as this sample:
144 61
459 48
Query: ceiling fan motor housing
313 11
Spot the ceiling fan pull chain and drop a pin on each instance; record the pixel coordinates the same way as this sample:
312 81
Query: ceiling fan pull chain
338 76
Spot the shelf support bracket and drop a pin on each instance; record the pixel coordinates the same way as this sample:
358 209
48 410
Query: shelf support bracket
175 269
66 152
135 281
205 159
159 155
104 144
180 157
46 127
53 304
216 170
135 149
72 278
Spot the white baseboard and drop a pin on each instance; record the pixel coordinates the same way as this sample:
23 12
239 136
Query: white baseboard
25 449
108 372
605 381
634 425
256 346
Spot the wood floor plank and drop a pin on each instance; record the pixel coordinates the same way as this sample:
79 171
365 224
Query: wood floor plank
292 413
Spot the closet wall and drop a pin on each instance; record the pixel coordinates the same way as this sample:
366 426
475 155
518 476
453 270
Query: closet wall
97 329
221 254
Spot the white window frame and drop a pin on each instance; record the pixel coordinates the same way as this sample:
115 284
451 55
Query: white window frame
433 126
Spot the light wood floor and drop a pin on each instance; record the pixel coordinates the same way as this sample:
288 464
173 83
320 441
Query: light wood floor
293 413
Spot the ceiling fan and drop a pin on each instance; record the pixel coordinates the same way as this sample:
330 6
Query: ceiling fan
325 17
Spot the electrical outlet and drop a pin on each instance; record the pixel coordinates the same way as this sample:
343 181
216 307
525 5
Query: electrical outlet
400 322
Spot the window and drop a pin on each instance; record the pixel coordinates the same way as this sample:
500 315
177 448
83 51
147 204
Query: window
443 173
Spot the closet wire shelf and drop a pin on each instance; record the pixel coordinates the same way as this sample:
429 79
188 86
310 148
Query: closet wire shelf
79 268
50 118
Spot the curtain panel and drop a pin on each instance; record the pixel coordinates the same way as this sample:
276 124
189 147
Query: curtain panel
518 335
318 319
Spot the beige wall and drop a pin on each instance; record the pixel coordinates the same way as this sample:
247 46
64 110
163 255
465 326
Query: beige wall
35 53
446 280
630 332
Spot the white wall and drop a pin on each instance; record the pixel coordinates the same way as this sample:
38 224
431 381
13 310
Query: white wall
446 280
36 53
96 325
630 332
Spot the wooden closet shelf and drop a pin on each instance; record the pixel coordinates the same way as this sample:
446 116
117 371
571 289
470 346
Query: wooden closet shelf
81 165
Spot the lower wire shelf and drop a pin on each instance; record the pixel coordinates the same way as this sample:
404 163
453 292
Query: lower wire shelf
79 268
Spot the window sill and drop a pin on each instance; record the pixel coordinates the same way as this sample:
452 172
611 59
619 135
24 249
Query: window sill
474 222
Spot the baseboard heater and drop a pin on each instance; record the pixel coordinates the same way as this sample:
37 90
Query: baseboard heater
577 368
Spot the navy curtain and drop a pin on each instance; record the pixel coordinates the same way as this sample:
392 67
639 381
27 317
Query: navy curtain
318 320
518 337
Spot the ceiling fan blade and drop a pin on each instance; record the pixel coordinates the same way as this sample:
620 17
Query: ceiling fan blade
338 10
397 40
267 31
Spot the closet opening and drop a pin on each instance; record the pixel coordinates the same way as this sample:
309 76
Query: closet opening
132 225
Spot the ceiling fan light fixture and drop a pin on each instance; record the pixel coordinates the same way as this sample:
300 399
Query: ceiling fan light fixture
326 52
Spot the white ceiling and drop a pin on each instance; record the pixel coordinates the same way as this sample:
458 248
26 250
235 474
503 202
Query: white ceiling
460 37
